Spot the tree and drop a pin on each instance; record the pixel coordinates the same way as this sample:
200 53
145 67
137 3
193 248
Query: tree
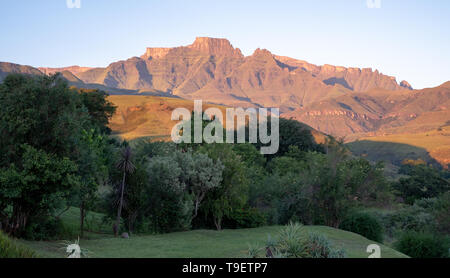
33 188
320 188
233 190
92 170
40 121
423 182
294 133
135 197
250 155
41 112
169 206
203 175
125 165
99 108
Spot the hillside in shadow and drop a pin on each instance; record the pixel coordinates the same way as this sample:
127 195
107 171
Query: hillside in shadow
389 152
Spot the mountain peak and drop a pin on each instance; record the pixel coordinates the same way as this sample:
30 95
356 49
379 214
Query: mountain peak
262 52
156 52
215 46
405 84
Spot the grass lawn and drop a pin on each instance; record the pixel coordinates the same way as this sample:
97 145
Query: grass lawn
191 244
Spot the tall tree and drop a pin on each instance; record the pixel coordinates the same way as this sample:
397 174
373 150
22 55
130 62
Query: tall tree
40 125
232 193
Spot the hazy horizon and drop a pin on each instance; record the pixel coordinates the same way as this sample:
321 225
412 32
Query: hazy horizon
405 39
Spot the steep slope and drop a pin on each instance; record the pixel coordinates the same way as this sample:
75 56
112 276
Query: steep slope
378 112
147 116
355 79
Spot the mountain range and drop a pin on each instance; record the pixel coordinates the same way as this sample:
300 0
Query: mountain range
341 101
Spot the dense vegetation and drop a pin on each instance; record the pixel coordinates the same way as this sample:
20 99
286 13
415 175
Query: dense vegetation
58 153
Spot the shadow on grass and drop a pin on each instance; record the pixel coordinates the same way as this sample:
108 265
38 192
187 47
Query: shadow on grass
393 153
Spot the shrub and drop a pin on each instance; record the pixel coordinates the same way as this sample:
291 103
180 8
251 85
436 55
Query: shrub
441 212
410 218
363 224
245 218
423 245
293 242
318 246
10 249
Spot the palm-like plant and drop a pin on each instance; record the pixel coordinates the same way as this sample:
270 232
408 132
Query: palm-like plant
126 165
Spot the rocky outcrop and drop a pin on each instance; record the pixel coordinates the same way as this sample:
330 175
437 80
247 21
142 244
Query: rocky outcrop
406 85
215 47
156 52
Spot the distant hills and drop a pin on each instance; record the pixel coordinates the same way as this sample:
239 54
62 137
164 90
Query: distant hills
345 102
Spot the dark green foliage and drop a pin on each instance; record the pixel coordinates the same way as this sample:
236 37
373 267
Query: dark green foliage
410 218
41 112
145 150
294 133
232 193
363 224
44 228
99 108
37 187
316 188
423 245
50 147
249 155
9 249
245 218
170 208
441 212
423 182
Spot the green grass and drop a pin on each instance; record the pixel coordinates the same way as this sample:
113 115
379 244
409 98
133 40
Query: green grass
192 244
94 225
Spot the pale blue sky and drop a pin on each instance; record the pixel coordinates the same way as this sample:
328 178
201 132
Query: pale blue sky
409 39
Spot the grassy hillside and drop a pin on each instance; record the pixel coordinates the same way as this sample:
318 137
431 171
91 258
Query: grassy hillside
203 244
150 116
147 116
191 244
432 147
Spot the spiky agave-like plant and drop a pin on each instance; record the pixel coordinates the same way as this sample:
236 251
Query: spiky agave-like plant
126 165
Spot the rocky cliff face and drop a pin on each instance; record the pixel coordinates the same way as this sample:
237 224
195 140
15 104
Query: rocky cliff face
215 47
355 79
378 112
213 70
156 52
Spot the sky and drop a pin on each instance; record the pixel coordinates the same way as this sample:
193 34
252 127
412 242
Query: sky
408 39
